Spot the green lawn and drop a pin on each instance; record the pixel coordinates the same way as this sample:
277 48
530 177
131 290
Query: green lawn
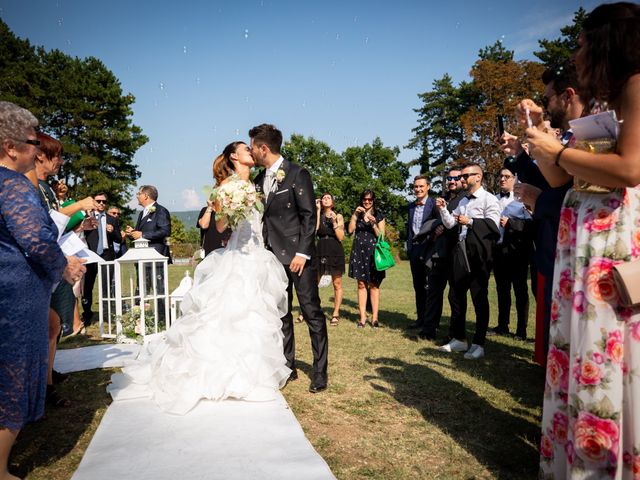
396 408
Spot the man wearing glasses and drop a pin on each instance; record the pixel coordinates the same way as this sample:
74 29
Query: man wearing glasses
477 216
100 233
511 257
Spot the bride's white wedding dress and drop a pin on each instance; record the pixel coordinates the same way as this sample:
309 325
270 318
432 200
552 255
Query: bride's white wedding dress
228 341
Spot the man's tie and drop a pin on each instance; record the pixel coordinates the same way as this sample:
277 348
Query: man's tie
269 184
100 248
504 194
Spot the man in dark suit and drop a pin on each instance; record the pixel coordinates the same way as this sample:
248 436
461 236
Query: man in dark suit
154 222
437 259
420 211
289 223
103 230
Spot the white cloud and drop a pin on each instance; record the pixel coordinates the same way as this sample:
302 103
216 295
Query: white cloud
190 199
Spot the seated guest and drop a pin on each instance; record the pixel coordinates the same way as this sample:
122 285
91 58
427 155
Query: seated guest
511 257
420 211
478 216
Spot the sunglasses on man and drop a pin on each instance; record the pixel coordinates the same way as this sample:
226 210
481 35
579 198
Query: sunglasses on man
453 179
464 176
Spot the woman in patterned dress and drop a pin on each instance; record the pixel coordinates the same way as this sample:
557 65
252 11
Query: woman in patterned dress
591 416
366 224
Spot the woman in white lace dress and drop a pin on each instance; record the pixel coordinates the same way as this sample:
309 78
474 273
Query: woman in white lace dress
228 341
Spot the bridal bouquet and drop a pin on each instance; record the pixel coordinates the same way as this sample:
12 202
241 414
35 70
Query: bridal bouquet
235 200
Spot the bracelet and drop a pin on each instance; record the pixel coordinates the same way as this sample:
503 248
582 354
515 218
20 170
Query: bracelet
558 155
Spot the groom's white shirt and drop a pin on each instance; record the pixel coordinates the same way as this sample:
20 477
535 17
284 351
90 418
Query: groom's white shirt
274 169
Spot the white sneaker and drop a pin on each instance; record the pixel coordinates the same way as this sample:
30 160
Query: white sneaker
475 352
454 346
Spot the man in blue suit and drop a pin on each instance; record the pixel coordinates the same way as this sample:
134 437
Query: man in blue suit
420 211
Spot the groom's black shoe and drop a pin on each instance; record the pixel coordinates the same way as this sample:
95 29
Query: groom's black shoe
318 384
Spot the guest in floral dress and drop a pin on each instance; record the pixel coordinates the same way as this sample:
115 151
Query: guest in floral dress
591 417
366 224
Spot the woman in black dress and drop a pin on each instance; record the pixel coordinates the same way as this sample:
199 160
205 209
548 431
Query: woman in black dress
330 253
210 238
367 223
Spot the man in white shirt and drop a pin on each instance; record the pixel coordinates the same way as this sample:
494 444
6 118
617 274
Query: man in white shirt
512 257
477 216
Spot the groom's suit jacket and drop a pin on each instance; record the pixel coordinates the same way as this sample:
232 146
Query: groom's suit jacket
289 220
156 227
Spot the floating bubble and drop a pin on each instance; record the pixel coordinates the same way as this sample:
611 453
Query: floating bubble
215 147
184 50
150 149
197 80
246 99
60 21
215 129
246 33
304 104
173 171
366 40
355 19
161 85
333 63
69 42
337 36
457 24
237 132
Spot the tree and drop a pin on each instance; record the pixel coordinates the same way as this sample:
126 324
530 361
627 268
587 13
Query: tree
178 232
556 52
439 132
500 85
346 175
80 102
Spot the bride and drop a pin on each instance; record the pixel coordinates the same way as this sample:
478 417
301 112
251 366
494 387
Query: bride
228 341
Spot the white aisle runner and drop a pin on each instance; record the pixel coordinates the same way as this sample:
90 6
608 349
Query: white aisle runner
216 440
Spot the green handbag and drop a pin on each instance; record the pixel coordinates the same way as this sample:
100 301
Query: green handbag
382 255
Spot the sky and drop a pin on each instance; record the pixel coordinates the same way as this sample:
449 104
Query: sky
345 72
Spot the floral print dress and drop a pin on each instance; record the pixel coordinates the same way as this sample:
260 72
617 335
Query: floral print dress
591 415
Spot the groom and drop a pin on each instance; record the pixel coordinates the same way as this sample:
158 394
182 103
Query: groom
289 224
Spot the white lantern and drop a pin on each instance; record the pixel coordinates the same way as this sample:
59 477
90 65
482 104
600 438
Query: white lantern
140 294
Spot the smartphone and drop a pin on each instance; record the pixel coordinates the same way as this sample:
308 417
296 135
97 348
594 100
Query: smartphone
500 120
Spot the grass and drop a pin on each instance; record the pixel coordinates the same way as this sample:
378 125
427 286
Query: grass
395 408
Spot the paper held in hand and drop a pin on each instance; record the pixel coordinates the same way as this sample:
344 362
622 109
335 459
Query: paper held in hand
600 125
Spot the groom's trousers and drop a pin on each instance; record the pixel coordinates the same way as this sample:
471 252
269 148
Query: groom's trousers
307 290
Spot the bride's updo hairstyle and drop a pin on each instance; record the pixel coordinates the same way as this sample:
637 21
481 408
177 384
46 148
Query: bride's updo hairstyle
222 165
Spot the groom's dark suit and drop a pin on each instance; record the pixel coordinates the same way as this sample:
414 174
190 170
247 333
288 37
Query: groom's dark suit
289 223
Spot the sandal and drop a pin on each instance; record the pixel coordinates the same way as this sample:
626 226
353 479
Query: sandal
361 324
300 318
375 324
334 320
56 400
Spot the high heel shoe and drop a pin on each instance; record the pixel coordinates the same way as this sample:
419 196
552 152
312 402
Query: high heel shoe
81 331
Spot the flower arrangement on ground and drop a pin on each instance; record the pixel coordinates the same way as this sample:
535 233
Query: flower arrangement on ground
131 326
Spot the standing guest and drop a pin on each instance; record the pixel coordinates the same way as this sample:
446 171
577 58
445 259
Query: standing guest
561 103
32 263
511 257
119 248
366 224
329 249
100 235
210 238
154 222
420 211
441 261
478 215
592 396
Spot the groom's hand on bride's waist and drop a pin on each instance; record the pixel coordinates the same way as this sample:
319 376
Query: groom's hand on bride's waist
297 264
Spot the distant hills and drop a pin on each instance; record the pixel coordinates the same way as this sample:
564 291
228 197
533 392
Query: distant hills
188 218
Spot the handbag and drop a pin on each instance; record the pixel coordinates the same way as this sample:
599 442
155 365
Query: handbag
598 145
382 255
627 280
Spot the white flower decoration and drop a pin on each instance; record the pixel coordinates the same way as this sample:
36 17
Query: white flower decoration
280 174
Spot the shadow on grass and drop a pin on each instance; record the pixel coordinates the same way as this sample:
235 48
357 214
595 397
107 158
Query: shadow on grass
387 318
56 436
501 440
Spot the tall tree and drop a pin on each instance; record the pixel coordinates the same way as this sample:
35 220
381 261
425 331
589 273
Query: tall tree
555 52
80 102
439 132
346 175
500 83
